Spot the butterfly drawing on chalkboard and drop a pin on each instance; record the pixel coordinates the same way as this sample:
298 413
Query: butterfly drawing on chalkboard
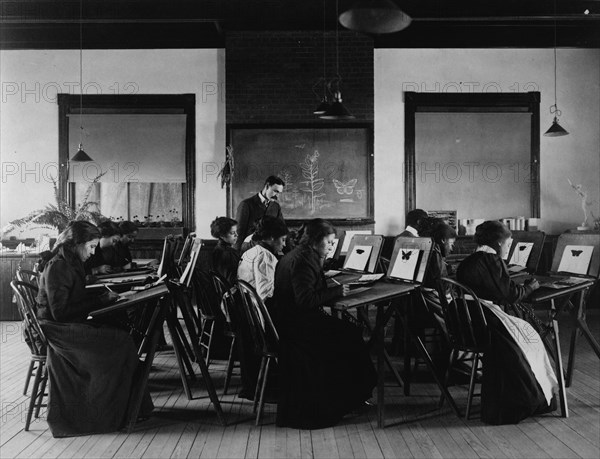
345 188
406 254
576 253
360 251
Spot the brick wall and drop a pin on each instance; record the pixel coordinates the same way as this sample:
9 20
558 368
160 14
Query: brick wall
270 75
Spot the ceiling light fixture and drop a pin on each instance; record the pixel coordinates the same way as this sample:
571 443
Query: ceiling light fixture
337 110
555 130
324 104
81 156
375 16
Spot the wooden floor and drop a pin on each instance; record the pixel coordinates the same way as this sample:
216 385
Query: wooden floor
416 428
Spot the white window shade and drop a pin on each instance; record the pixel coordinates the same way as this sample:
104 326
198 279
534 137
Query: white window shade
138 148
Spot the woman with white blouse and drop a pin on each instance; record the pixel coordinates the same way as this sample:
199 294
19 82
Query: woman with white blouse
257 266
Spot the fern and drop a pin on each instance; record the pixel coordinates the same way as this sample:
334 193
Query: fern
60 214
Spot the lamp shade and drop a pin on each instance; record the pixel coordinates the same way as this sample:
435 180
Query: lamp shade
81 156
555 130
375 16
322 108
337 110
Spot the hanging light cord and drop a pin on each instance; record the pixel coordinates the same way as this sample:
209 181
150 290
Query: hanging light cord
324 52
337 44
80 72
554 108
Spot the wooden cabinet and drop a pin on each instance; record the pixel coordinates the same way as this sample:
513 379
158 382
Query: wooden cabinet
8 266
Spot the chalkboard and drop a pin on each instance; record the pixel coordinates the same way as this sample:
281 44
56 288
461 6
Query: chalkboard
327 169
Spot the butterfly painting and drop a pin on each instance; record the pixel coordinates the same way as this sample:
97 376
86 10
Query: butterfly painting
576 259
405 264
345 188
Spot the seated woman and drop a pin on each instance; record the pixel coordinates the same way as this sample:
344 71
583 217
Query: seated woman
225 258
101 259
122 258
257 266
518 380
325 367
91 366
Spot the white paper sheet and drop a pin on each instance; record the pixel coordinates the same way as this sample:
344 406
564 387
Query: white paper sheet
348 237
359 257
521 253
576 259
331 253
406 264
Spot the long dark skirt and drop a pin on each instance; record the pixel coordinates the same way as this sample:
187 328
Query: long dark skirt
509 389
91 369
325 371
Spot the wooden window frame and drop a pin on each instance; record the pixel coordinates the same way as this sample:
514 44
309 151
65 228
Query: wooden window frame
69 104
469 103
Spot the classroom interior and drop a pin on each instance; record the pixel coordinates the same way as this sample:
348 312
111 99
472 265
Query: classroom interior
236 73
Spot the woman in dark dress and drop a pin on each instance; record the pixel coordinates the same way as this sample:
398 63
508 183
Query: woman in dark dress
100 262
325 367
518 380
225 258
91 366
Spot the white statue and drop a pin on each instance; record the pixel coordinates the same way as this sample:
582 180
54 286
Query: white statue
584 204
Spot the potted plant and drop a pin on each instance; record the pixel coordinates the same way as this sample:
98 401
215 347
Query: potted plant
57 216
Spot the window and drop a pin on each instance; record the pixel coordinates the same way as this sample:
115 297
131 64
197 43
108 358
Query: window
475 153
143 145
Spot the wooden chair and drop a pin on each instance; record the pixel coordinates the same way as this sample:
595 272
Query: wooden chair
207 302
38 345
466 327
26 275
264 336
227 298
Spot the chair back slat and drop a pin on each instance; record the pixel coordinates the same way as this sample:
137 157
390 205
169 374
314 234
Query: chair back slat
224 292
263 330
205 296
25 275
463 315
37 341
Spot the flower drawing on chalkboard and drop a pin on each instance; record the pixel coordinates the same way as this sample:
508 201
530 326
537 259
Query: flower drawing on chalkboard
313 184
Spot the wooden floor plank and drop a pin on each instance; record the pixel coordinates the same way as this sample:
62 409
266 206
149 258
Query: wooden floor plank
415 427
324 444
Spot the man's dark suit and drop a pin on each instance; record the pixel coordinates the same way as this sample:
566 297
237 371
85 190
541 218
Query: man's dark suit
250 210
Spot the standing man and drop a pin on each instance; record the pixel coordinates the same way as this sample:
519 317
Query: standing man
257 206
416 220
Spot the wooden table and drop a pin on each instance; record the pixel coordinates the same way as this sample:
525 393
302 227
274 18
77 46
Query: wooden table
155 297
382 294
548 295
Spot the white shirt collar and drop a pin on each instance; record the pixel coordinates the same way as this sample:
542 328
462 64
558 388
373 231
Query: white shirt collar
486 249
412 231
262 198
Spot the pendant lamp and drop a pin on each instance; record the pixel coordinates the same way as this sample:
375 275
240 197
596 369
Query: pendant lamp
324 104
375 16
81 155
555 129
337 110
